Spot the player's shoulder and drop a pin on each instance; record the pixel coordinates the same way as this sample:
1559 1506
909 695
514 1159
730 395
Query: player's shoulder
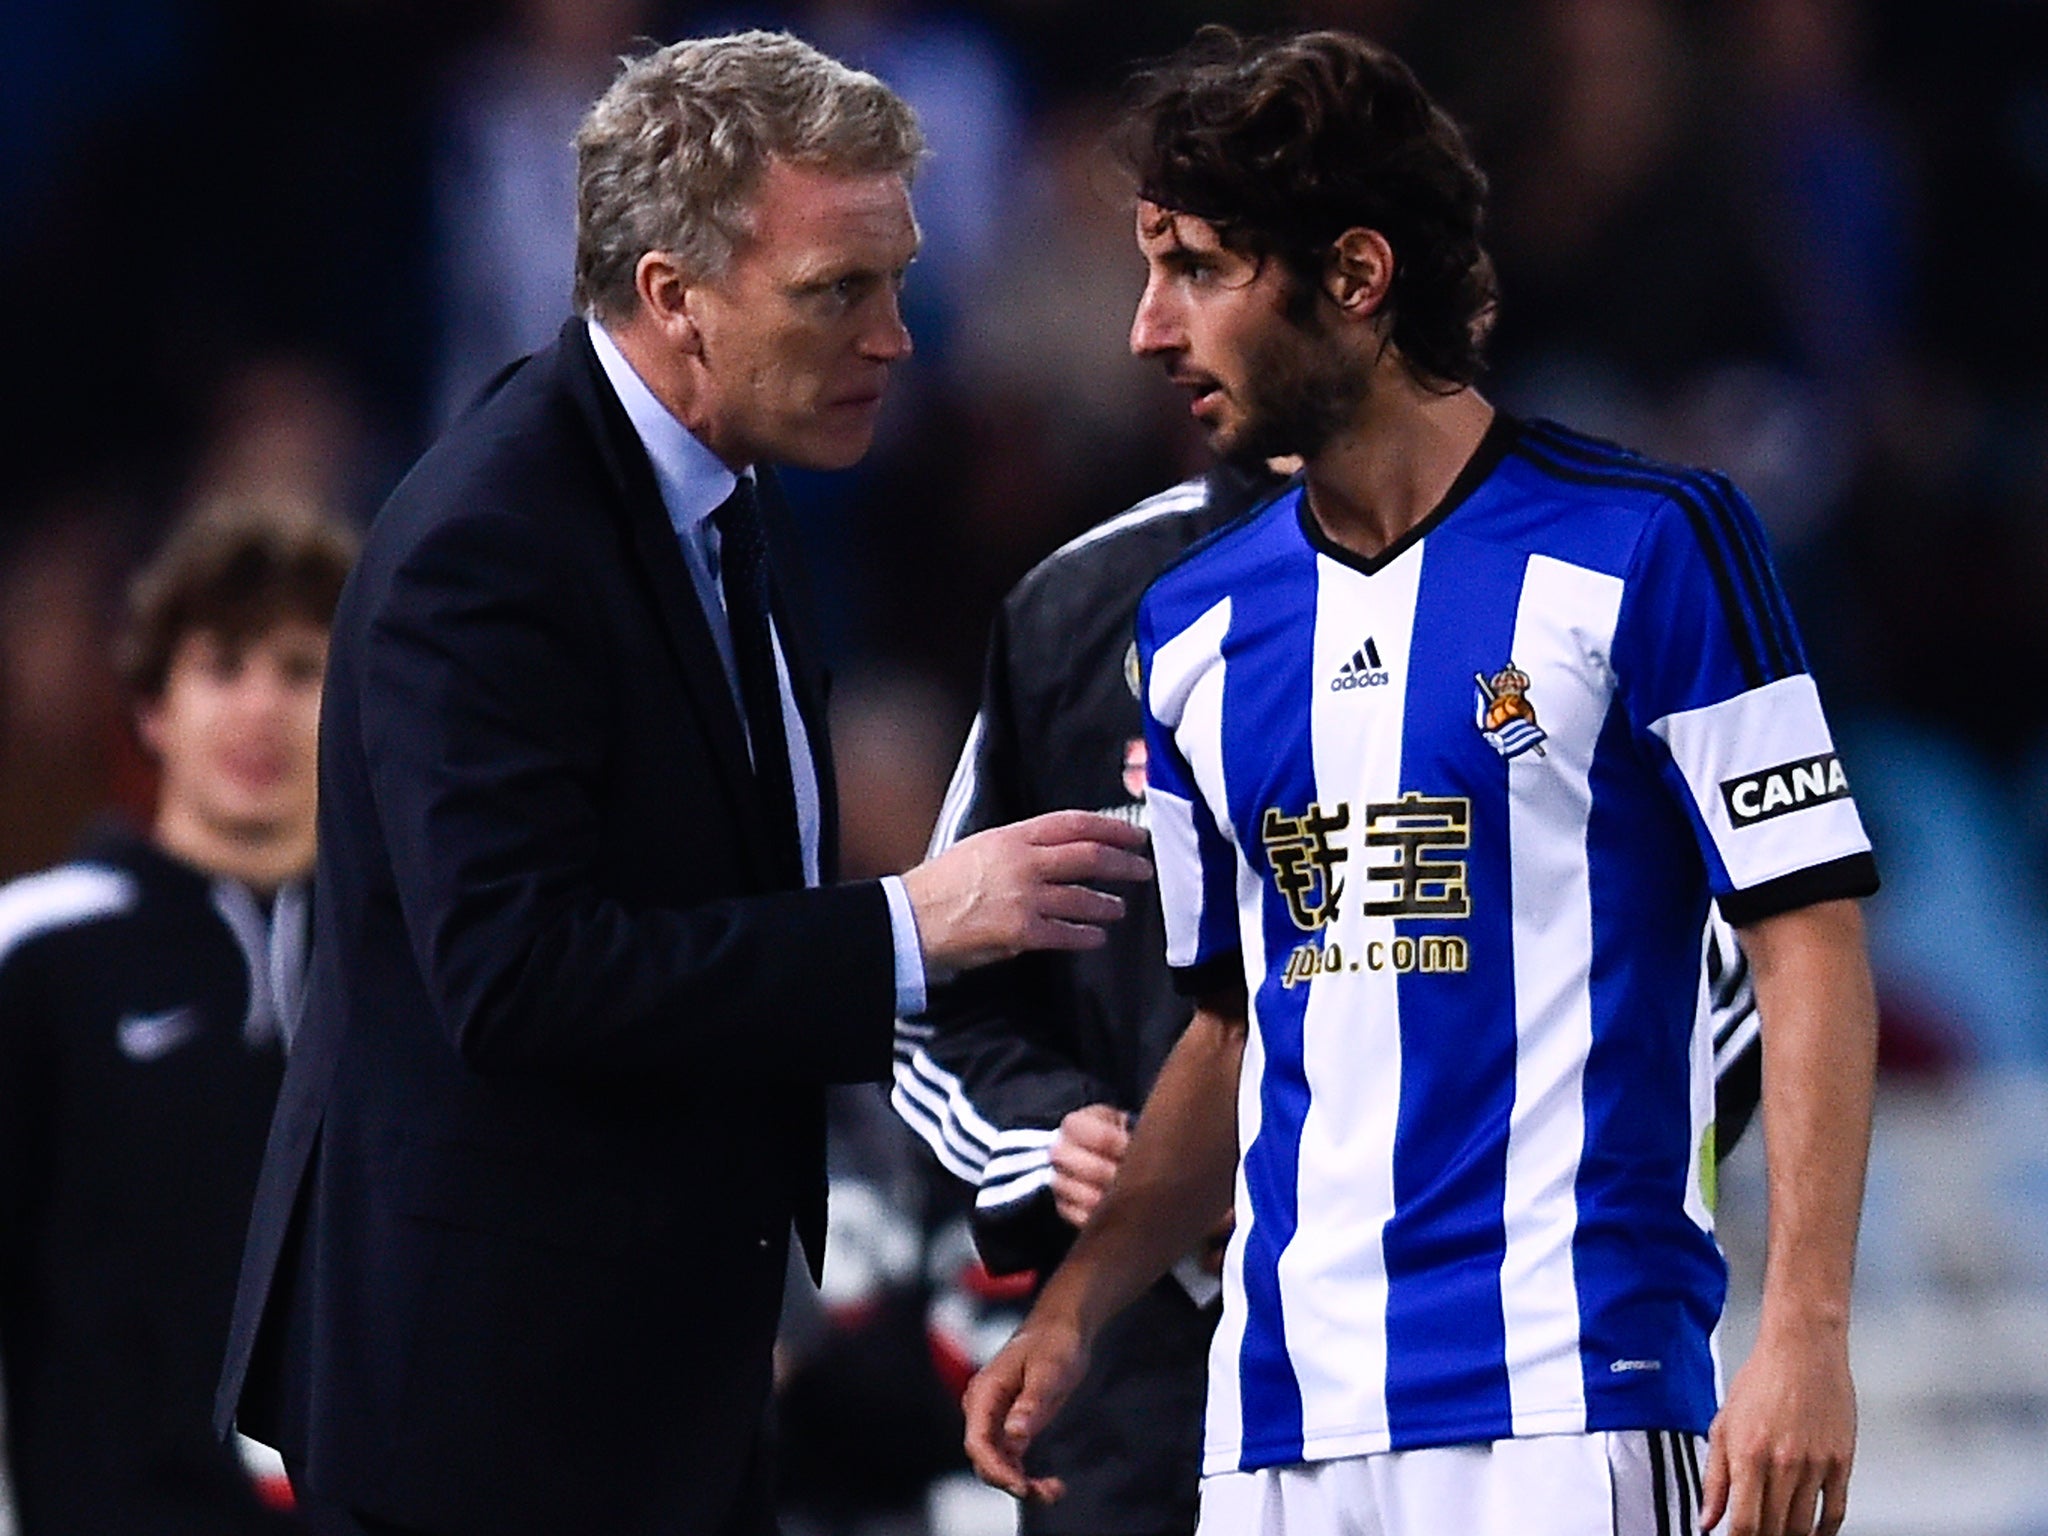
1595 503
1128 549
1107 567
1579 466
1143 521
1131 544
1231 557
35 908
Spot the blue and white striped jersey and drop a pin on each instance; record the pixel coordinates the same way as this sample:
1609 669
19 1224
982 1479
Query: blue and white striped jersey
1452 817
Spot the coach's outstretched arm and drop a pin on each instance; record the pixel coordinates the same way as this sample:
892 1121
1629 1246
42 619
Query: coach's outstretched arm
1175 1181
1786 1435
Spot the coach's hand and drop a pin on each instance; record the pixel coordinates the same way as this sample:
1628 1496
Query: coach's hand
1012 1399
1027 886
1779 1452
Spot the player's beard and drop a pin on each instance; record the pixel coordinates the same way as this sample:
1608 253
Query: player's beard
1300 390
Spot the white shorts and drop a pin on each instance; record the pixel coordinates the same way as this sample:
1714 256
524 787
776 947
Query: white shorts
1611 1483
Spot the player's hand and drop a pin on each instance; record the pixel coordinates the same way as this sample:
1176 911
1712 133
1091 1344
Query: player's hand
1085 1156
1014 1396
1779 1452
1022 887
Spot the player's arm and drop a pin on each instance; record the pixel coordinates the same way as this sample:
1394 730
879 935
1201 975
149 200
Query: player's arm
1174 1184
1785 1437
1709 665
987 1080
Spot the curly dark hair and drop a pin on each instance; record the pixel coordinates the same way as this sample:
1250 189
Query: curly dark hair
1284 142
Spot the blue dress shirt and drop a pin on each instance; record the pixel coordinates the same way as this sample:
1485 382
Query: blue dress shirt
693 482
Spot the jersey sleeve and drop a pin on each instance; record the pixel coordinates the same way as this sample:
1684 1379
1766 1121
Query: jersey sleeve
1718 695
1196 864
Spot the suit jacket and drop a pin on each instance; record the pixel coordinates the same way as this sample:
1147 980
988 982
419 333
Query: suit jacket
519 1241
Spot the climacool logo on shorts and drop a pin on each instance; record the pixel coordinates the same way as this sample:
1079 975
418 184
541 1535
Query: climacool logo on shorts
1788 787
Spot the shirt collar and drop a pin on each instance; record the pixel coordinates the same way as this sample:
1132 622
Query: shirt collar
693 480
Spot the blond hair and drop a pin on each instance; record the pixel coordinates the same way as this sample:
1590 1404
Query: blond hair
670 157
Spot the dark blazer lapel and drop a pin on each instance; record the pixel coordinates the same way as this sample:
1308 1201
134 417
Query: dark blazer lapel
808 680
661 562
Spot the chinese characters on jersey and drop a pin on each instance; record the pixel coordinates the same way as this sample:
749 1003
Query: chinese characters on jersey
1410 872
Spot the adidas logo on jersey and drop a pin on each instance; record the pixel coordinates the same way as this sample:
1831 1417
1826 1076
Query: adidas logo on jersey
1363 670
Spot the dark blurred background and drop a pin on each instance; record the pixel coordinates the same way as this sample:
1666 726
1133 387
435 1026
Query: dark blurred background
274 243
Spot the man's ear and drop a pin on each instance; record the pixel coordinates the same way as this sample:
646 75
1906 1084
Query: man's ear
664 290
1359 272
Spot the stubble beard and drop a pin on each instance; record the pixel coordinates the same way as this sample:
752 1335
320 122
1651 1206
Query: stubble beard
1300 391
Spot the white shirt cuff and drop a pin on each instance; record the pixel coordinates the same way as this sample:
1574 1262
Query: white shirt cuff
910 981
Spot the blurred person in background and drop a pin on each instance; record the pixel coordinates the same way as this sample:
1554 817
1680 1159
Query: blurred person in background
584 965
504 194
1609 187
148 992
65 728
1450 975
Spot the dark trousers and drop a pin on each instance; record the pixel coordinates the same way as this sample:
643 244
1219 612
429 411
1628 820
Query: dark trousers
755 1515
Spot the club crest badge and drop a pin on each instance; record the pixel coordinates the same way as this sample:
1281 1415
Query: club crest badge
1504 715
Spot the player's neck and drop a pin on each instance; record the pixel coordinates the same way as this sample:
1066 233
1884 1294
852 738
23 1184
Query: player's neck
1374 482
262 859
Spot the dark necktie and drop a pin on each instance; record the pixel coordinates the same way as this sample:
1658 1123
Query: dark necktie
743 572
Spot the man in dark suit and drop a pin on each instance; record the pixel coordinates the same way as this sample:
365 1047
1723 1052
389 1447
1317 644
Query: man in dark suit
580 969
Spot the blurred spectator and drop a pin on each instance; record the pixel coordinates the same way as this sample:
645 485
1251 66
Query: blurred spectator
281 427
505 184
284 427
1607 203
60 711
1829 196
964 89
148 991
